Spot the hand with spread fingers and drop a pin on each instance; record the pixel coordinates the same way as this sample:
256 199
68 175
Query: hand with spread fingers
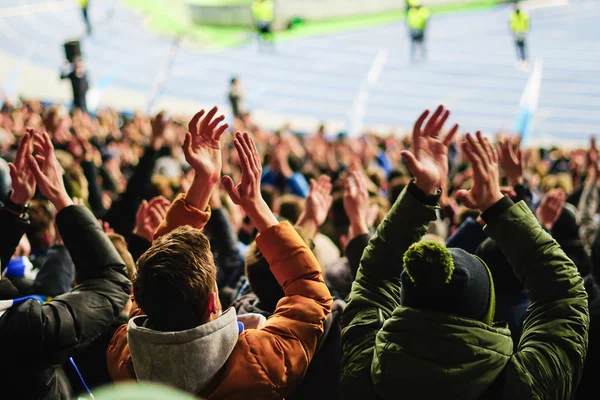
247 193
23 180
48 172
551 208
486 175
202 151
356 203
317 206
160 124
511 161
149 216
428 159
201 147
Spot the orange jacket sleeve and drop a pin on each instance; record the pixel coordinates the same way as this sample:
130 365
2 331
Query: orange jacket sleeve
286 344
181 213
118 358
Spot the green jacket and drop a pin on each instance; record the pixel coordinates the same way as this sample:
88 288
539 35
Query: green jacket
394 352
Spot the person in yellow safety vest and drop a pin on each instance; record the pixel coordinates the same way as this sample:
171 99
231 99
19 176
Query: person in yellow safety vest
519 26
84 4
417 20
263 13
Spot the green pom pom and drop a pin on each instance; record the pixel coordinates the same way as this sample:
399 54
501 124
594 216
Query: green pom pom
428 264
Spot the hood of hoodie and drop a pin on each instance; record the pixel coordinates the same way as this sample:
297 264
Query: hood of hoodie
433 355
189 359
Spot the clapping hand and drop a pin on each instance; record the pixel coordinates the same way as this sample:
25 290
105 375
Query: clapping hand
48 172
317 206
356 203
247 193
23 180
428 159
551 208
201 147
486 175
511 161
202 151
149 216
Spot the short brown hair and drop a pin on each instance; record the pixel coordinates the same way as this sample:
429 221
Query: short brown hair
121 245
262 281
174 280
42 215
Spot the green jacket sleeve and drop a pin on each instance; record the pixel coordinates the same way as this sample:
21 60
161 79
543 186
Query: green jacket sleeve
376 290
549 359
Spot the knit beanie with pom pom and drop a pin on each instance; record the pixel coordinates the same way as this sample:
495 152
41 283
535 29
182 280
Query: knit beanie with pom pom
445 280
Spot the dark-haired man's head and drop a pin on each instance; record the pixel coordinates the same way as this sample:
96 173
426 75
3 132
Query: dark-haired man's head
261 279
175 283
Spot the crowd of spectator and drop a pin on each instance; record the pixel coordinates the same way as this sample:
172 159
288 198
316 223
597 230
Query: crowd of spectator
270 265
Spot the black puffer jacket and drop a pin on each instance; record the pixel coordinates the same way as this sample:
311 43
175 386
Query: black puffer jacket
36 339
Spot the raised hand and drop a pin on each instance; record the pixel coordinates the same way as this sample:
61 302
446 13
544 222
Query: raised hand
356 203
317 206
48 172
551 208
247 193
485 191
201 146
149 216
511 161
428 160
23 180
160 123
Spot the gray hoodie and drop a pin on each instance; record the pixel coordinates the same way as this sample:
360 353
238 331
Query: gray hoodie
189 359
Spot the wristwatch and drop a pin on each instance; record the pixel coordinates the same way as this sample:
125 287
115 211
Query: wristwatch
13 207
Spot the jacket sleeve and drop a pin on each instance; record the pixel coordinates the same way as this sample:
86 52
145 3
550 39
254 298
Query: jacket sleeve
586 211
13 229
95 191
59 328
121 215
180 214
354 251
286 344
468 236
549 359
376 290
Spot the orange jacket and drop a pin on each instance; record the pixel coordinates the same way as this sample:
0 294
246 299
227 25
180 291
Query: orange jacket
120 366
266 363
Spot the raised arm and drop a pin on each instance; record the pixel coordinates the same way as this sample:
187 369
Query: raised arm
376 290
289 337
202 152
77 318
555 332
13 214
